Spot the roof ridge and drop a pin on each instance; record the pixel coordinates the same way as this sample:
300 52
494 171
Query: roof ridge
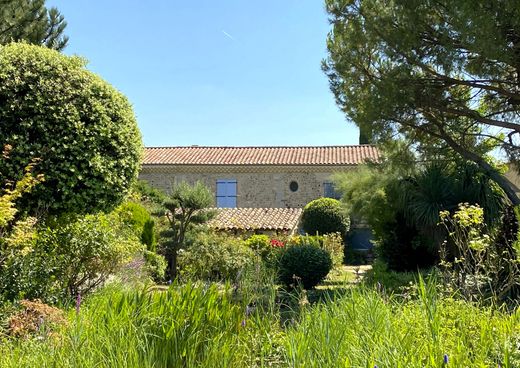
305 146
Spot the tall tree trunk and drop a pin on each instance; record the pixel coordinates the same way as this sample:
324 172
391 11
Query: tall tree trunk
172 264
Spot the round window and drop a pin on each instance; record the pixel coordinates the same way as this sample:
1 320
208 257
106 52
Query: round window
293 186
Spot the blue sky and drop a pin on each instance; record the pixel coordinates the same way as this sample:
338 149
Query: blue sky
214 72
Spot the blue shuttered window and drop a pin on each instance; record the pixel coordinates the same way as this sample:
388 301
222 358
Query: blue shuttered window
329 191
226 193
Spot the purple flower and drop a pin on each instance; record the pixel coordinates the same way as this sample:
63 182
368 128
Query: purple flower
78 302
243 323
446 359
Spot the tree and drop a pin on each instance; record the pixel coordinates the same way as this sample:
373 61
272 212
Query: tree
186 206
441 73
31 21
82 130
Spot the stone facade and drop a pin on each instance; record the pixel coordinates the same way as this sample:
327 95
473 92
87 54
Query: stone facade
262 186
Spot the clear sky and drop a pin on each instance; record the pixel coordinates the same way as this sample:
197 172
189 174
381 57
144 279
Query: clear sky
214 72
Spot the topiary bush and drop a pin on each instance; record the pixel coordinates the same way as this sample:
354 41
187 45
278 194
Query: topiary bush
82 130
324 216
306 264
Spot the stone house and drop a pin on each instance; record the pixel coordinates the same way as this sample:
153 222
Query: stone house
255 177
258 189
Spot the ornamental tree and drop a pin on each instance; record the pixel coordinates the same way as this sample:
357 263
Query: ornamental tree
185 207
82 131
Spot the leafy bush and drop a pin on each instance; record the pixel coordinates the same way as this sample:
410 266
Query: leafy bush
324 216
83 130
154 265
74 258
212 256
267 249
305 263
475 267
140 221
332 243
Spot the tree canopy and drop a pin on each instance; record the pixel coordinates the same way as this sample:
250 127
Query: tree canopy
32 22
79 129
442 74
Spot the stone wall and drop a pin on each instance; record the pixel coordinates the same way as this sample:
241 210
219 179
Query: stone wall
257 186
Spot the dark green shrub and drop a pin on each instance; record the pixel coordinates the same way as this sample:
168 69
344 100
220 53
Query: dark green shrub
403 248
140 221
305 264
82 129
148 237
332 243
324 216
355 257
154 265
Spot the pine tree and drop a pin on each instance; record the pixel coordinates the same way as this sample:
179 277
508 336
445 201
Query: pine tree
31 21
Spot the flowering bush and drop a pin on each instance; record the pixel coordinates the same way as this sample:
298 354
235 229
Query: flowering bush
277 243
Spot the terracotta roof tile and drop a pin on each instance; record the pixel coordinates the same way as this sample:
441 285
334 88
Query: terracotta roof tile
257 219
297 155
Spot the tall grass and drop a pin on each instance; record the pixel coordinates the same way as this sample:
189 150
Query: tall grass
196 325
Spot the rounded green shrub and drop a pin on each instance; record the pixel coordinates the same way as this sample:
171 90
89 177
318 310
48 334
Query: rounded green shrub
81 130
325 216
305 264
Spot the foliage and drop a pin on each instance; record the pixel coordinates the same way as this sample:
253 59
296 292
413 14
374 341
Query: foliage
185 207
137 217
83 130
324 216
332 243
31 21
59 263
476 268
355 257
154 265
305 264
213 256
267 249
457 60
35 318
403 210
148 194
148 237
205 326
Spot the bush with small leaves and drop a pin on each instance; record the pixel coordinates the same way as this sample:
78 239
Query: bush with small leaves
324 216
81 128
305 264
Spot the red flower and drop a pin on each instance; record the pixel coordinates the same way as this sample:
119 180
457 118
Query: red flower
277 243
